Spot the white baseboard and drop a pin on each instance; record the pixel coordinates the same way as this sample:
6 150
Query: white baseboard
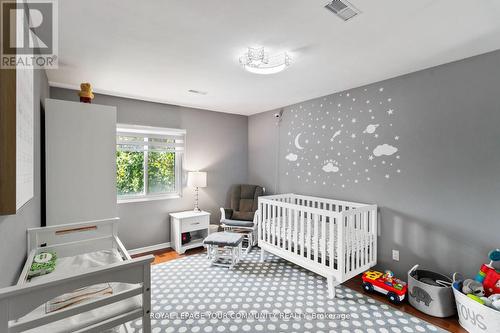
151 248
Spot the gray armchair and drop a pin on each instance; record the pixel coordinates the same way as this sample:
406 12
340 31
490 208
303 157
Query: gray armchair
241 215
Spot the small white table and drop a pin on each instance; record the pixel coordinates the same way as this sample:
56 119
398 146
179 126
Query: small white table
190 221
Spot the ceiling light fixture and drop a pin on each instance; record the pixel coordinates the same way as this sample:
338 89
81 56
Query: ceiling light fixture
256 60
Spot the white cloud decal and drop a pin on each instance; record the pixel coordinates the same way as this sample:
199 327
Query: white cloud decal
329 167
384 149
291 157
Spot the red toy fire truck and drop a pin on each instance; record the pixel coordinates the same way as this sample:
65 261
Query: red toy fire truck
385 283
489 276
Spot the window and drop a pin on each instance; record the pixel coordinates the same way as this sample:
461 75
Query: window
148 162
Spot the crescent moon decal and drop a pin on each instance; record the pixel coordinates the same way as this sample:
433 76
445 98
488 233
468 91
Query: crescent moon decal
297 144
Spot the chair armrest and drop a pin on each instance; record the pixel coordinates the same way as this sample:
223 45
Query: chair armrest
256 220
256 217
226 213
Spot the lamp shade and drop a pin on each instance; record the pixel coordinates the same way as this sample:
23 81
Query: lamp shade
197 179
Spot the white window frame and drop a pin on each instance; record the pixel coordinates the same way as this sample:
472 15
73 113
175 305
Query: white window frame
179 158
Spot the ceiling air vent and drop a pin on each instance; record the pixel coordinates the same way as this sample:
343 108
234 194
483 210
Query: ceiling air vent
343 9
199 92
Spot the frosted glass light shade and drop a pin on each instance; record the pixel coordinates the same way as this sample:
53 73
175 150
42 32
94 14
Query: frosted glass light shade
197 179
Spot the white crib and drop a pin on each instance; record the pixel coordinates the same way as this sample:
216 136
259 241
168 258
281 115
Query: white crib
332 238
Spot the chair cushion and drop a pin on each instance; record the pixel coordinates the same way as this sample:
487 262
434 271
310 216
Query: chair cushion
224 239
243 216
237 223
246 205
247 191
241 193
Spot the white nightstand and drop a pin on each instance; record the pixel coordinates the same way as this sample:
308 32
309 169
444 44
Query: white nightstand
190 221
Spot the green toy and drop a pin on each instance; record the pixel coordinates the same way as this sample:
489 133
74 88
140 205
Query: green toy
43 263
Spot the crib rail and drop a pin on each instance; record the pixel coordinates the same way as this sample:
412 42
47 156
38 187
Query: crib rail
329 236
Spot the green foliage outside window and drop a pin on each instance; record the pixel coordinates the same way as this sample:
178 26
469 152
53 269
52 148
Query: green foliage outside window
130 172
161 172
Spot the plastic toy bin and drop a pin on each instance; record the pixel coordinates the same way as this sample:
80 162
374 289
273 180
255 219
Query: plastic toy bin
473 316
437 301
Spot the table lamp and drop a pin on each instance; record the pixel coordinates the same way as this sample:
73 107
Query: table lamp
197 179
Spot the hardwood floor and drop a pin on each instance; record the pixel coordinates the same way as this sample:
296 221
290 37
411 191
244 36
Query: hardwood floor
450 324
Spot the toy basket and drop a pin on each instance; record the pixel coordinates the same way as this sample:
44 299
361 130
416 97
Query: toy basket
437 301
473 316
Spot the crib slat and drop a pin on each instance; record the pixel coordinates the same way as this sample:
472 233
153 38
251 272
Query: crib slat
262 221
354 242
325 239
276 221
309 237
373 234
349 243
295 231
289 230
359 248
366 235
269 221
332 244
302 234
276 225
316 237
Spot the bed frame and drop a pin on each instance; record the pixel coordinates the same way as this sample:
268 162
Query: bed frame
71 240
332 238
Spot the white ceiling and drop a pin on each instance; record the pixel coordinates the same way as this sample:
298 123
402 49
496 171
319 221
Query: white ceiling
159 49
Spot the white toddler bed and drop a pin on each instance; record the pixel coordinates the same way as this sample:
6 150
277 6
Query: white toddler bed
335 239
88 254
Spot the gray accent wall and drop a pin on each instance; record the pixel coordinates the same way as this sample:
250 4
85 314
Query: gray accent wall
438 193
13 227
215 142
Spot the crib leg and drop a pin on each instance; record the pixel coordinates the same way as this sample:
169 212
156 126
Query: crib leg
263 255
146 323
331 286
146 300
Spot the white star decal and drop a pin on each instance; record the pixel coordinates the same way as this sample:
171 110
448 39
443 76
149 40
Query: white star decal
390 111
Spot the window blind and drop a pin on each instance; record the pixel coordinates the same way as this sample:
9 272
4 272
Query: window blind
141 138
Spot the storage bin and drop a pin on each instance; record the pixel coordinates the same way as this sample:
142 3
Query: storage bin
473 316
437 301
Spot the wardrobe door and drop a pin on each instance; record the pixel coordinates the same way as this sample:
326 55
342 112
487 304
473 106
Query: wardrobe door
80 157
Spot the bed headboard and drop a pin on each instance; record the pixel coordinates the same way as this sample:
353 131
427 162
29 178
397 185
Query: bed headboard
65 233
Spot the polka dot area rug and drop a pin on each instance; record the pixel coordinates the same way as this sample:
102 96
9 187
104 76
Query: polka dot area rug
189 295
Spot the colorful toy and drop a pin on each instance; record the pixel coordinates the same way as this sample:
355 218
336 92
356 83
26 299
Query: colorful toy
494 301
85 93
385 283
477 299
488 274
471 287
43 263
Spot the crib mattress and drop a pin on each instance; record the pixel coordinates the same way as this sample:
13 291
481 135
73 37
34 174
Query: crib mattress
358 242
80 264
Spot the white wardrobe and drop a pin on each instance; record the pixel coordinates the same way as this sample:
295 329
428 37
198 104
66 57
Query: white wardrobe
80 162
